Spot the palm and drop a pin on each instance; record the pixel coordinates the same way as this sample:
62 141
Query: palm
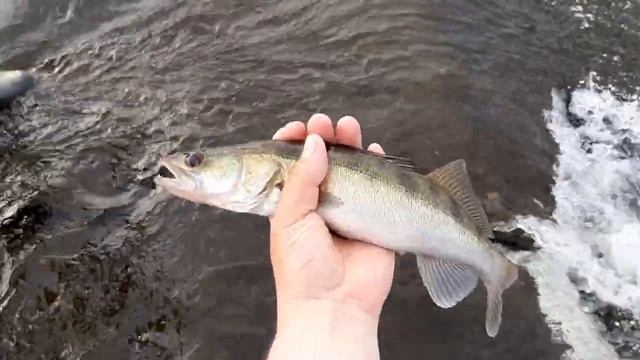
344 270
368 272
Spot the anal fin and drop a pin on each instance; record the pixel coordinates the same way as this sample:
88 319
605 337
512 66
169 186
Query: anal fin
446 281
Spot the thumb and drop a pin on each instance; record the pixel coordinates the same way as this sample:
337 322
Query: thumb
300 193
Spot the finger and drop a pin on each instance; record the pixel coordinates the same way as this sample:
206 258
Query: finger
300 193
348 132
294 130
321 124
376 148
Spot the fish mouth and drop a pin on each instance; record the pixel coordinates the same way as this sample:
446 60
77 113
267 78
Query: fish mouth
176 179
172 176
165 172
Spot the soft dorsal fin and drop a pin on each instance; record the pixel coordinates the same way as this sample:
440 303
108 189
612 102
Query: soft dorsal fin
455 179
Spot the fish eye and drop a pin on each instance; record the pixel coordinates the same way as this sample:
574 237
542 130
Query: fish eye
193 159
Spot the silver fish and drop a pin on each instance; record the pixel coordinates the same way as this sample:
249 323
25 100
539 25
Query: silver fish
374 198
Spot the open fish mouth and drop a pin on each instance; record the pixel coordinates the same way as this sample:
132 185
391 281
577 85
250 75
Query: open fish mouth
172 174
165 172
175 178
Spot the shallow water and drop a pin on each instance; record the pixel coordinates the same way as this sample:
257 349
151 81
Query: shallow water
96 264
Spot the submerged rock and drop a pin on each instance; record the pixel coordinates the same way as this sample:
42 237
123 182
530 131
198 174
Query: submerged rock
18 229
514 240
619 327
14 84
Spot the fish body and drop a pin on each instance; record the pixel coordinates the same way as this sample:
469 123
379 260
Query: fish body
368 197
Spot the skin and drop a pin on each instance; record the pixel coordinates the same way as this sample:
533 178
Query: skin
330 290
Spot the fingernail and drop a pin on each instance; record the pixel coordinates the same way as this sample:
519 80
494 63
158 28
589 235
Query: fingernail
278 133
347 118
310 145
318 117
319 114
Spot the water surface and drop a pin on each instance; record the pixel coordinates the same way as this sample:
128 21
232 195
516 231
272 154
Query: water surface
96 264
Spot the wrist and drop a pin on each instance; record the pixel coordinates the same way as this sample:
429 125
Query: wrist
324 329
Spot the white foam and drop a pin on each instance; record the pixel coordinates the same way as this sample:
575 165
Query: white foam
579 12
595 231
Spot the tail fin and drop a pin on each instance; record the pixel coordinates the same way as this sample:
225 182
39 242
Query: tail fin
494 312
508 275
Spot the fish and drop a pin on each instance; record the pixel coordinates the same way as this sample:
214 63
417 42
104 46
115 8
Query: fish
380 199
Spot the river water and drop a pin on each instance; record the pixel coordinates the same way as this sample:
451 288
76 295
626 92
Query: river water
96 264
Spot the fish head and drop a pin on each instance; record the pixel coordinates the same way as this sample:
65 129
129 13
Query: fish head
231 179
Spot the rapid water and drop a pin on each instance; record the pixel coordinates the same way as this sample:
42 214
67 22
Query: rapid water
592 243
587 270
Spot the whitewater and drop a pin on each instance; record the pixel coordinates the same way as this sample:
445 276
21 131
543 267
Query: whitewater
591 245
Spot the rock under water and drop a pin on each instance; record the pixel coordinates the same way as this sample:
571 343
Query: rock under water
14 84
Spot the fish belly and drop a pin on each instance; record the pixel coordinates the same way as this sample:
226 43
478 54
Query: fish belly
406 229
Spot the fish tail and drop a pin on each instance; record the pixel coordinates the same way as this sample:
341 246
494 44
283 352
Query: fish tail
508 274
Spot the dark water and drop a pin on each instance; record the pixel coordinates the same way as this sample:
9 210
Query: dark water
95 264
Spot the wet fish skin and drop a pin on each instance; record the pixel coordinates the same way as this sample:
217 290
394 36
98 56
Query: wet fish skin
368 197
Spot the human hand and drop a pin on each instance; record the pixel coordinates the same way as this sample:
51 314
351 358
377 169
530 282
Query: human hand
330 290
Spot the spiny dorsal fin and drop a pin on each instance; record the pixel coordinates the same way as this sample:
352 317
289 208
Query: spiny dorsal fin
446 281
400 161
455 179
397 160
